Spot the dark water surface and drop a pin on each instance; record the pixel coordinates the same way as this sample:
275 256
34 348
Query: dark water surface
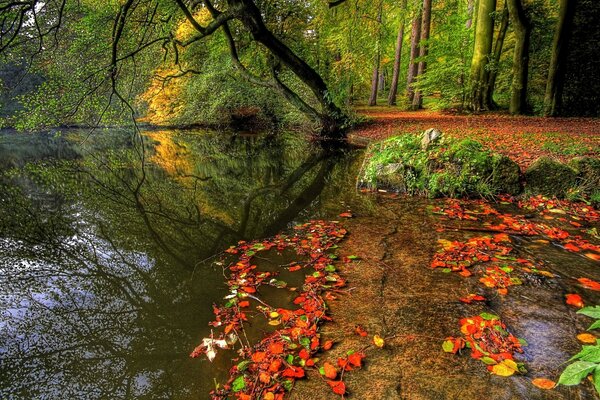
106 276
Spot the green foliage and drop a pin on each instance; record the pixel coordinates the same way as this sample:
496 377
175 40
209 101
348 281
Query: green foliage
449 168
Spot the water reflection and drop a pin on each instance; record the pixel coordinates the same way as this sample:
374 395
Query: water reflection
103 291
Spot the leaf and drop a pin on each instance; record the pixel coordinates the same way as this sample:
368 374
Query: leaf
586 338
346 215
576 372
238 384
505 368
243 365
488 360
597 379
544 383
488 316
338 387
378 341
593 312
360 331
329 371
448 346
595 325
327 345
574 300
589 283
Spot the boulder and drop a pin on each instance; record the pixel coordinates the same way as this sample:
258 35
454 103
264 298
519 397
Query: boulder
506 175
588 173
430 136
391 176
550 177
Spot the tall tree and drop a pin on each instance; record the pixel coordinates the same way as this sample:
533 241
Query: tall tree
375 77
495 60
520 68
484 36
415 35
556 69
397 58
423 49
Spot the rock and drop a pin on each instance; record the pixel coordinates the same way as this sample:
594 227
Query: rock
430 136
588 173
506 175
391 176
550 177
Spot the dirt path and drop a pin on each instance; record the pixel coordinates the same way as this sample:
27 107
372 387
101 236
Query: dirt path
395 294
522 138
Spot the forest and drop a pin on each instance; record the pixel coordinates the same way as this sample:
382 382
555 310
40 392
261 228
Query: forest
300 199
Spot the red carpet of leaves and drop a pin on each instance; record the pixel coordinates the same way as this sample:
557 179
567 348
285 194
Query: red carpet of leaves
522 138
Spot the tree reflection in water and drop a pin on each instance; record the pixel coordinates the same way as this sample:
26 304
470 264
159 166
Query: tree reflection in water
103 291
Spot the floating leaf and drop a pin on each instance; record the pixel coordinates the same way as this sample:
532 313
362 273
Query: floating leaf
587 338
574 300
505 368
543 383
589 283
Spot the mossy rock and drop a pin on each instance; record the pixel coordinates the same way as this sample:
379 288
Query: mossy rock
506 175
588 173
550 177
448 167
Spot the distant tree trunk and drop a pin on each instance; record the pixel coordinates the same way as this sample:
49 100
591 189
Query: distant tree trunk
470 9
493 72
556 70
414 51
423 48
397 58
484 35
522 29
375 77
381 79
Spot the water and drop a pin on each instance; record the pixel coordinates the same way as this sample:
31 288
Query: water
106 275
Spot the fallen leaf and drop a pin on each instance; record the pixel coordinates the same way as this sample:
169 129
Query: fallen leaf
543 383
593 256
505 368
574 300
589 283
327 345
378 341
360 331
338 387
330 371
346 215
586 338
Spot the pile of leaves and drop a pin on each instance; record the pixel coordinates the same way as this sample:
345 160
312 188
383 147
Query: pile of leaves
268 369
489 341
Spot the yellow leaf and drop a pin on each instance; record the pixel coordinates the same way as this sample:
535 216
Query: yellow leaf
587 338
378 341
274 314
274 322
505 368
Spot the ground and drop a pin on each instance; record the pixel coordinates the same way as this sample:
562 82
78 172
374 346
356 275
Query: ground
523 139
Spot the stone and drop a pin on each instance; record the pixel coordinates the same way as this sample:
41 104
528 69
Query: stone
430 136
506 175
588 173
550 177
391 176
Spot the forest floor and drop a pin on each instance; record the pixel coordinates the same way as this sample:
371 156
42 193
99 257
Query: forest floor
521 138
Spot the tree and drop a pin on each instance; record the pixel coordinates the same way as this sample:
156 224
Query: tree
375 78
556 69
488 95
150 23
483 47
520 68
423 46
397 58
413 66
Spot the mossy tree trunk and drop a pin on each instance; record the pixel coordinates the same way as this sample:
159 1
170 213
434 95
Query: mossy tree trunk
522 30
484 36
397 58
414 51
423 48
375 77
556 69
495 61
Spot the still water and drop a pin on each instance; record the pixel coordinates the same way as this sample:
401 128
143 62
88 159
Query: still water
106 251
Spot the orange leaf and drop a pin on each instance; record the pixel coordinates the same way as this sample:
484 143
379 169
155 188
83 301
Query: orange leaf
264 377
571 247
543 383
330 371
589 283
275 365
356 359
259 356
327 345
304 354
586 338
338 387
593 256
244 303
276 348
249 289
346 215
360 331
574 300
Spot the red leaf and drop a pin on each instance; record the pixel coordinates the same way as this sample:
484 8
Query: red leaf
244 303
574 300
338 387
360 331
590 284
330 371
327 345
571 247
276 348
356 359
346 215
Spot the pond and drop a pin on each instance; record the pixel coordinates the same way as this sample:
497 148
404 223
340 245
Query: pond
107 277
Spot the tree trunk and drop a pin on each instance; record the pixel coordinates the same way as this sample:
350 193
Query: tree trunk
423 49
414 48
522 29
495 61
332 119
556 69
484 35
397 58
375 77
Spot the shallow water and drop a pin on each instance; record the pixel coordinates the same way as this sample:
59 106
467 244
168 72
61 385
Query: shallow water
106 255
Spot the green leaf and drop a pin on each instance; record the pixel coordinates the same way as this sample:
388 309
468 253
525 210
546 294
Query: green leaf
576 372
290 359
523 342
595 325
488 360
448 346
243 365
353 257
593 312
288 385
488 316
597 379
330 268
322 371
588 353
238 384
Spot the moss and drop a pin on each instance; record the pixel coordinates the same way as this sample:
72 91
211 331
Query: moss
447 168
588 173
550 177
